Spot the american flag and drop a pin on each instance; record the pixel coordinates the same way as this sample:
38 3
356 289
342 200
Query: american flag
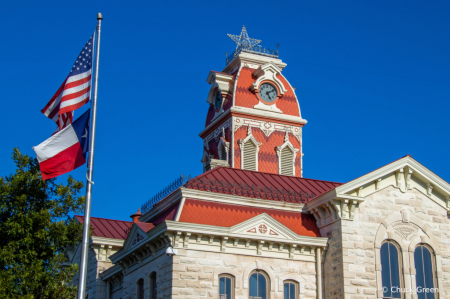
75 90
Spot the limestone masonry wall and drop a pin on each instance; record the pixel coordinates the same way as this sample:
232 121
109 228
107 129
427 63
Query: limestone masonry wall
352 263
195 274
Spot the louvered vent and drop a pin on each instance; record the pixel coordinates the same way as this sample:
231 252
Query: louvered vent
207 166
223 153
249 156
287 162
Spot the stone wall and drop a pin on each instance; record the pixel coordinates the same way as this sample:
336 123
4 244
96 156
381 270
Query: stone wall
162 265
195 274
98 261
352 262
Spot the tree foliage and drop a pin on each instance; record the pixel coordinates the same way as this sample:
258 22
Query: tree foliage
36 225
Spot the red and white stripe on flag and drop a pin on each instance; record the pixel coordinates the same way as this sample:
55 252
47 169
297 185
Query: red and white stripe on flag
75 90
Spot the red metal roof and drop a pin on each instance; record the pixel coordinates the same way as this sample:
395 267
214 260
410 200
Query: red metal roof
108 228
266 180
210 213
145 226
168 214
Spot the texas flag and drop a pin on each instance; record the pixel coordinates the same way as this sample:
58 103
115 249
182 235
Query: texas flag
65 150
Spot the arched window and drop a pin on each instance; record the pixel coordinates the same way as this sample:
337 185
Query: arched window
140 289
153 286
423 260
390 270
287 161
290 289
259 285
226 286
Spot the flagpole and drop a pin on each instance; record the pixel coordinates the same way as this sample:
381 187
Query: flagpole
90 166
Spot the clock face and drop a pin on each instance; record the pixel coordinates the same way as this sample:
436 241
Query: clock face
218 100
268 92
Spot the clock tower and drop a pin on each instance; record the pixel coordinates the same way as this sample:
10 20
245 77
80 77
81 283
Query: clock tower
254 120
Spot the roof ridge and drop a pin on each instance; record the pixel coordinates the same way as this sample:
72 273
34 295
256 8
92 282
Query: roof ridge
82 216
262 172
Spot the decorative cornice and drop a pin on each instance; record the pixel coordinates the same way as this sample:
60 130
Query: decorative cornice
252 61
106 241
221 231
268 115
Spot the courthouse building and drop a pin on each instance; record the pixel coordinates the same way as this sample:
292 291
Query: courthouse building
252 227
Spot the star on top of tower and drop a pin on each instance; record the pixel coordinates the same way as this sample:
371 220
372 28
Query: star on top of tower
243 41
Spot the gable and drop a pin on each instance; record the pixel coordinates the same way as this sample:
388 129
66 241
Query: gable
264 226
404 174
135 238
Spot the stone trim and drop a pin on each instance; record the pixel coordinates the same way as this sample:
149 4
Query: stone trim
258 265
386 232
297 278
219 271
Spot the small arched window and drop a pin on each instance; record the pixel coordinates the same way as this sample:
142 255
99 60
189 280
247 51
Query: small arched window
259 285
290 289
140 289
226 286
423 261
390 270
153 286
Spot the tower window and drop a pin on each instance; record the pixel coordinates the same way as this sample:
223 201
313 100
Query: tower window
249 155
287 161
223 153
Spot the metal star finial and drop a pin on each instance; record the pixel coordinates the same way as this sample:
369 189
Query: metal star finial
243 41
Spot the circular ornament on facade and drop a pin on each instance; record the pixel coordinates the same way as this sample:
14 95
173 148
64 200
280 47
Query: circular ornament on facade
296 129
262 229
267 125
238 120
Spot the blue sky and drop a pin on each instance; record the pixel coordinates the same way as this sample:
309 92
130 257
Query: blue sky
372 78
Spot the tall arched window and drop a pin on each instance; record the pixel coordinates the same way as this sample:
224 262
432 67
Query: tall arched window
423 260
390 270
290 289
226 286
140 289
153 286
259 285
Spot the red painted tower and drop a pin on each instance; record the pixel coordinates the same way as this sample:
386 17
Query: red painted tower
254 120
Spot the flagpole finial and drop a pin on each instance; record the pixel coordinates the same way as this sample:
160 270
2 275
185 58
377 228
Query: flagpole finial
99 16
